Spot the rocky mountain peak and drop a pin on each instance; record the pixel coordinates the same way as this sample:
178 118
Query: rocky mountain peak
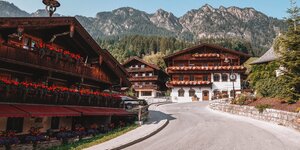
167 20
207 8
9 9
43 13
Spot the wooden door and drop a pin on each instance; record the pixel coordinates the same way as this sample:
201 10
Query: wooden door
205 95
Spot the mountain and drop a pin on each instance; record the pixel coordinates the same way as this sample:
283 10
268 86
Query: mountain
10 10
206 22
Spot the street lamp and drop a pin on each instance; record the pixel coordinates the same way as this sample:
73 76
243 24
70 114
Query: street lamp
232 77
51 6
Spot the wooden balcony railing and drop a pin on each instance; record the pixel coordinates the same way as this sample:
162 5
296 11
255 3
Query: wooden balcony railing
143 78
17 94
147 86
133 69
23 56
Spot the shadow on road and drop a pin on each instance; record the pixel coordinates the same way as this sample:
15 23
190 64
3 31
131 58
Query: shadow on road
156 116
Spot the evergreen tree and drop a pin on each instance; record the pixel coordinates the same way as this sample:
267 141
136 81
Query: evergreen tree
288 47
156 59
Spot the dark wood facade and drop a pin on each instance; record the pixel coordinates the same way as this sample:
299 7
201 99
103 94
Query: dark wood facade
53 63
147 79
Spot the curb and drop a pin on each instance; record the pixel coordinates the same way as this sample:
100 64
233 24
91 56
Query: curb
142 138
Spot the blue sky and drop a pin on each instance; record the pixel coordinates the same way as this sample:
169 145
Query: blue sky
274 8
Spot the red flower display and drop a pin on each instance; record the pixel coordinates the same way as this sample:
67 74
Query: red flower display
206 55
64 52
58 89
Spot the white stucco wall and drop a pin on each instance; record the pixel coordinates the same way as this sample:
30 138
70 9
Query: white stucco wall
146 97
186 98
220 86
227 86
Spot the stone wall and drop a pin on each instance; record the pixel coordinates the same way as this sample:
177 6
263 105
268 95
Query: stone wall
288 119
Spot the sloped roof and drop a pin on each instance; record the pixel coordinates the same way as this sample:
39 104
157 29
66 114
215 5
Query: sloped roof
206 45
142 61
81 40
270 55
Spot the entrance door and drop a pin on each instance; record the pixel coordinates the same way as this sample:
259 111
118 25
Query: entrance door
205 95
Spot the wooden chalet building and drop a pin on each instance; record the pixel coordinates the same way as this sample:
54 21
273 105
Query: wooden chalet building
148 80
203 73
52 75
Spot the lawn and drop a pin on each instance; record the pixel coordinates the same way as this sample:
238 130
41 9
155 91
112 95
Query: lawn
95 140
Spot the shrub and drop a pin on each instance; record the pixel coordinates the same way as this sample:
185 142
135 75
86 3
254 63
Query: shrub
262 107
241 100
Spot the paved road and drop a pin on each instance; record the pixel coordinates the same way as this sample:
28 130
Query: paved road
194 126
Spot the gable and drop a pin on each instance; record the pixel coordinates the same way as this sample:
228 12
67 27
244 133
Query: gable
204 50
66 32
133 61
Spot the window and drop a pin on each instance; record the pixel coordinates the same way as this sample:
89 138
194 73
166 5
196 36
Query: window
26 43
142 66
224 77
205 78
180 77
217 64
192 78
181 93
15 124
55 123
216 77
191 92
144 74
146 93
150 74
217 93
136 75
136 66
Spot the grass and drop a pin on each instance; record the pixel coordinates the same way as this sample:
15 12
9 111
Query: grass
95 140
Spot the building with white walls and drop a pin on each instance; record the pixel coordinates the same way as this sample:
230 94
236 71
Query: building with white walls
205 72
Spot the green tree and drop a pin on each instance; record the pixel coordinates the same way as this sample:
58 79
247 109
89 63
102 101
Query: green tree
156 59
288 46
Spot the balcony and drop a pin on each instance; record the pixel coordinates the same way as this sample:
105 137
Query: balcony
175 69
146 86
33 59
30 93
143 78
139 69
188 83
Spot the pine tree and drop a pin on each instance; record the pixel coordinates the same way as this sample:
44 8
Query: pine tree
288 47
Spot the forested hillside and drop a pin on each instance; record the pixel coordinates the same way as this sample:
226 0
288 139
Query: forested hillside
156 47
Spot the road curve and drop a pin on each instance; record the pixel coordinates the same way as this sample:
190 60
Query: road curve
195 126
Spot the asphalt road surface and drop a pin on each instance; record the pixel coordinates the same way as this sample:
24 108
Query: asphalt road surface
195 126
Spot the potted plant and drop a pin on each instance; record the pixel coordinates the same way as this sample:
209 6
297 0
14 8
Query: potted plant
8 138
34 136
